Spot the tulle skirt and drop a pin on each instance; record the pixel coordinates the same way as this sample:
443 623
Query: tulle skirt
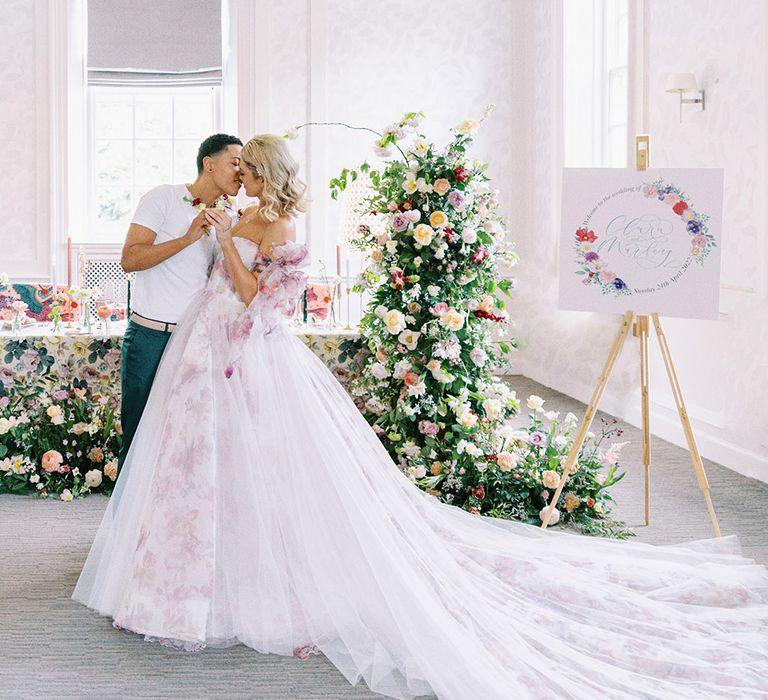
257 506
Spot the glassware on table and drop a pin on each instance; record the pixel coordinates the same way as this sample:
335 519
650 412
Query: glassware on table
104 312
19 313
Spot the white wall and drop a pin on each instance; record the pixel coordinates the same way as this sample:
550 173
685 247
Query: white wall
722 365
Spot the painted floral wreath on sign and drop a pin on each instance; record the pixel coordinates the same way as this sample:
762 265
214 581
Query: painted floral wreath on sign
595 269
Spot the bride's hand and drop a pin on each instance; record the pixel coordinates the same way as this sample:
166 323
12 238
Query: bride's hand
221 221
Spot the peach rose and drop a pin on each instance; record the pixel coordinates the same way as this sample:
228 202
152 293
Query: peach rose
110 469
441 186
551 479
571 502
51 461
438 219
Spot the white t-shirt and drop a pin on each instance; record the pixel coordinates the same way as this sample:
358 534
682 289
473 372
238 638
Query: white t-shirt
163 292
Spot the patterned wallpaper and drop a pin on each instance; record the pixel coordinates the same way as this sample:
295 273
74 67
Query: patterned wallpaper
17 126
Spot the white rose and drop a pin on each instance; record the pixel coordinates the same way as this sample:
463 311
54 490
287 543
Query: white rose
391 247
432 290
66 495
419 472
535 402
379 371
555 515
394 320
423 234
492 408
469 235
381 311
5 426
468 126
413 215
93 478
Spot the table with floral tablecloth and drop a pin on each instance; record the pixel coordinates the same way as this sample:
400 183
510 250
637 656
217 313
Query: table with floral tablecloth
36 354
60 398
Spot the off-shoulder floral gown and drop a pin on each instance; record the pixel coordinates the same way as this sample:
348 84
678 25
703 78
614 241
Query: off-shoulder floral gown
257 506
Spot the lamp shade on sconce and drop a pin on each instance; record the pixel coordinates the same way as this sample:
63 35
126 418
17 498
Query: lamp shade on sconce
681 82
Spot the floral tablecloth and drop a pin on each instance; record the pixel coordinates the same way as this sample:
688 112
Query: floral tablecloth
35 354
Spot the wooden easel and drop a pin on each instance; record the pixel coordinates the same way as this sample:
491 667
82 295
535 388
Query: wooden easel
641 329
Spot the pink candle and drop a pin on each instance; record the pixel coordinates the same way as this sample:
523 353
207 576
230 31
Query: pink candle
338 261
69 261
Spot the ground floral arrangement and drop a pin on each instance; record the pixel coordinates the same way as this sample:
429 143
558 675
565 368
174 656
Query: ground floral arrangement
59 427
433 335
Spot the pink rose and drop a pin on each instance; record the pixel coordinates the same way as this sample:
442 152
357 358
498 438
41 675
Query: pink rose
699 241
607 277
439 309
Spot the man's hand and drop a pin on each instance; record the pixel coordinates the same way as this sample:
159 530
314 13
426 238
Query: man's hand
197 228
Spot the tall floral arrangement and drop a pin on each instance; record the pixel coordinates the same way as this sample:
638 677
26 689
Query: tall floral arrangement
436 326
434 337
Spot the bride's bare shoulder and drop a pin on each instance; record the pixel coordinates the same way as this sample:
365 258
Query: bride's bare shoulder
280 230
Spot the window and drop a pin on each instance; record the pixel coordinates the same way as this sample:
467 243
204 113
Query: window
141 137
595 75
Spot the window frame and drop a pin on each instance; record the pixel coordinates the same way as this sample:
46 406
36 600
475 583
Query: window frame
91 233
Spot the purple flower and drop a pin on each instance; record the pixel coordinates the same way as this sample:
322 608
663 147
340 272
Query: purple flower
400 222
694 227
4 401
428 428
619 284
60 395
591 256
457 199
537 438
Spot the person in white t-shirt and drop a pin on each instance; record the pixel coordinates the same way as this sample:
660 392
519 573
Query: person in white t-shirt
169 249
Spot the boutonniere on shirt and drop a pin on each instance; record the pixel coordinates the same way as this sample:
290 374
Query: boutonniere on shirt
224 202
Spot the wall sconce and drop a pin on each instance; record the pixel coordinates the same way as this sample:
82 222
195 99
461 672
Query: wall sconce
686 83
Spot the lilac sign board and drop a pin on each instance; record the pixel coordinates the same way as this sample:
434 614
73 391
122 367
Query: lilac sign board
645 241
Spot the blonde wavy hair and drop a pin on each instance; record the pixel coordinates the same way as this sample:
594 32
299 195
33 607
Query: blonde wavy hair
267 156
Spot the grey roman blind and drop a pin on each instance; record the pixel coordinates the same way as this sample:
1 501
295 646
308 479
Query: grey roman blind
154 42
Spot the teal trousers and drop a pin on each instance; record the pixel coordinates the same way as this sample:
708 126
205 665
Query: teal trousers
139 358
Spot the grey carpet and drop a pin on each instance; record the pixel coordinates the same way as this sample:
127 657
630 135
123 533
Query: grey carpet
52 647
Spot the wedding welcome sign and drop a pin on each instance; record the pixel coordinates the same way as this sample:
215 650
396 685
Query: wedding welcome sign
646 241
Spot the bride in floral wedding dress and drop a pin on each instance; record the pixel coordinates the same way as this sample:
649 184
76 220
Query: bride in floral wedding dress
257 506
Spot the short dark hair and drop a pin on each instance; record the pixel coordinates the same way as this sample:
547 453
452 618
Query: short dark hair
213 145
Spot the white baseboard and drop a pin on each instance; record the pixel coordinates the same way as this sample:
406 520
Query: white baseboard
665 424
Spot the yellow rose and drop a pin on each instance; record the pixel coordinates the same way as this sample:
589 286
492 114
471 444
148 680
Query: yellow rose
394 320
53 411
441 186
438 219
423 234
452 319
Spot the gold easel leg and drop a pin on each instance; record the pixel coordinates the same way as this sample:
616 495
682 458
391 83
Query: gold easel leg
642 330
581 434
698 466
